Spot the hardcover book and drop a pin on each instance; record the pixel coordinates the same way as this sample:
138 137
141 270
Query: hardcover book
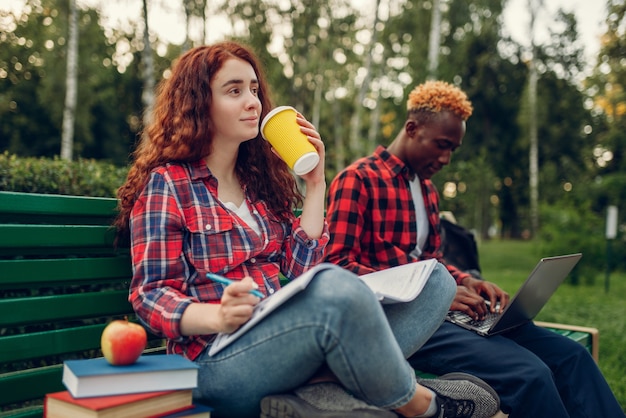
138 405
96 377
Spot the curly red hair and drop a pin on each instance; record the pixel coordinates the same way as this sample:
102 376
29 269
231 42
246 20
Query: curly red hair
434 97
181 131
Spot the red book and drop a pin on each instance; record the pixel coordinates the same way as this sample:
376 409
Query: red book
136 405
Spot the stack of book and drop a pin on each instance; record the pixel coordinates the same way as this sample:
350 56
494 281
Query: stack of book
154 386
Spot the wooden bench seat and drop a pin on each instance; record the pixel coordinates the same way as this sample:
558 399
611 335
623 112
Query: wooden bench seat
61 282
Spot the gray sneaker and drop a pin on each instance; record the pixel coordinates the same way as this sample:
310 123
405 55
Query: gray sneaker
320 400
461 395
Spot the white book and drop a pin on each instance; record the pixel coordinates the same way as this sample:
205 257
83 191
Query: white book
394 285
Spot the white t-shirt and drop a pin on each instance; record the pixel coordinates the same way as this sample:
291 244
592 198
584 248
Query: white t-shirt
243 212
421 218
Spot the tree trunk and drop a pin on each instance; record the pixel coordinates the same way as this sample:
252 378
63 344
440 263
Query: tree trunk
355 120
188 13
147 95
340 154
532 125
71 83
372 135
434 41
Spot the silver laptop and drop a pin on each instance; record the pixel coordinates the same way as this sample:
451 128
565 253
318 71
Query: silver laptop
527 302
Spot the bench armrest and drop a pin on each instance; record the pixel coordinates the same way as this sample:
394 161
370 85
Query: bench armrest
592 332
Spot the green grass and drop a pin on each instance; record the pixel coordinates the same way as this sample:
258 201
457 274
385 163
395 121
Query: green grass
507 263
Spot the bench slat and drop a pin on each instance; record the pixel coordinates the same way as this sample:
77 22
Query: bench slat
17 273
31 384
50 236
43 344
17 203
24 311
27 412
50 343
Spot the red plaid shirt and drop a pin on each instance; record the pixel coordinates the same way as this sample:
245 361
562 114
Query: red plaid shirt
180 231
372 216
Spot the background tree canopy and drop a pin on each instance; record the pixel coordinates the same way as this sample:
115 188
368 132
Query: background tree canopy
349 73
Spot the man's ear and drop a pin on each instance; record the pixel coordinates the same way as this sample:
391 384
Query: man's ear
411 127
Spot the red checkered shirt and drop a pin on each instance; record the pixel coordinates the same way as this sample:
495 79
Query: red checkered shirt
180 231
371 215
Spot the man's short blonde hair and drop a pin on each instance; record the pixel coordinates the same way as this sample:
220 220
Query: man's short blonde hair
438 96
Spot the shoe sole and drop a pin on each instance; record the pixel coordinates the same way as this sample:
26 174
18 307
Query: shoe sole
475 380
279 407
290 406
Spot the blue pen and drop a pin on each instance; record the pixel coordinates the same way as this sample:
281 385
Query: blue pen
226 282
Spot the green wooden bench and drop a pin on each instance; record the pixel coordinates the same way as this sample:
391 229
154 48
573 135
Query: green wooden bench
61 281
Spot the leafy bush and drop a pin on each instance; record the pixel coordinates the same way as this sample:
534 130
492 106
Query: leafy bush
57 176
566 229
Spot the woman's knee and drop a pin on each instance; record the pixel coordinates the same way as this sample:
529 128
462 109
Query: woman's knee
342 288
441 283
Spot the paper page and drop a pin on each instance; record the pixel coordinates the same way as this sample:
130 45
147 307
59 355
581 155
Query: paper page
267 305
402 283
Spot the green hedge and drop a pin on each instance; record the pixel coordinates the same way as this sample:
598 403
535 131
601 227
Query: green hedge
57 176
567 228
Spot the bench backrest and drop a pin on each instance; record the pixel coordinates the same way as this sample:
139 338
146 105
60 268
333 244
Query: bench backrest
61 282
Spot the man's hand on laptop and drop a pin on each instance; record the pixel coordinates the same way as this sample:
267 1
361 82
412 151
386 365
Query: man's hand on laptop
471 295
470 302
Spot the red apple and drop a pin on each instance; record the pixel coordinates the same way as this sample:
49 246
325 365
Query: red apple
122 342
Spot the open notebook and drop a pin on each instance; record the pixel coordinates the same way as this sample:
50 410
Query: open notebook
527 302
394 285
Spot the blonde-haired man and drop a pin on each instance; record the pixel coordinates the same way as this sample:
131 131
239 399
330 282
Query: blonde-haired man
383 211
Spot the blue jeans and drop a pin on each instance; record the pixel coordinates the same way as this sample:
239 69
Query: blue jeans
335 322
536 372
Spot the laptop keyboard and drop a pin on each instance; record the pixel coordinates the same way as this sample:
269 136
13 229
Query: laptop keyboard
482 325
490 318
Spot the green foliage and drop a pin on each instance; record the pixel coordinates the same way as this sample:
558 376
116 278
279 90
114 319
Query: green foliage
350 77
609 189
568 229
33 70
56 176
467 188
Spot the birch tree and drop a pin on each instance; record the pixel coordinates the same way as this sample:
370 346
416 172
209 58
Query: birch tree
194 10
434 40
71 83
533 169
147 94
355 120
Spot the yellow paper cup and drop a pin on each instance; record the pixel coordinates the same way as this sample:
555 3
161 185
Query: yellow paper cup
282 131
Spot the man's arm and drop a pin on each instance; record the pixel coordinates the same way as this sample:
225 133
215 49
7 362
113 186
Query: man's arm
347 201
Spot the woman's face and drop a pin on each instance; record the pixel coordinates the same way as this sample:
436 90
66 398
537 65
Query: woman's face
235 106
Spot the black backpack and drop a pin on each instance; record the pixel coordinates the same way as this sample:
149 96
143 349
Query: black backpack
459 248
